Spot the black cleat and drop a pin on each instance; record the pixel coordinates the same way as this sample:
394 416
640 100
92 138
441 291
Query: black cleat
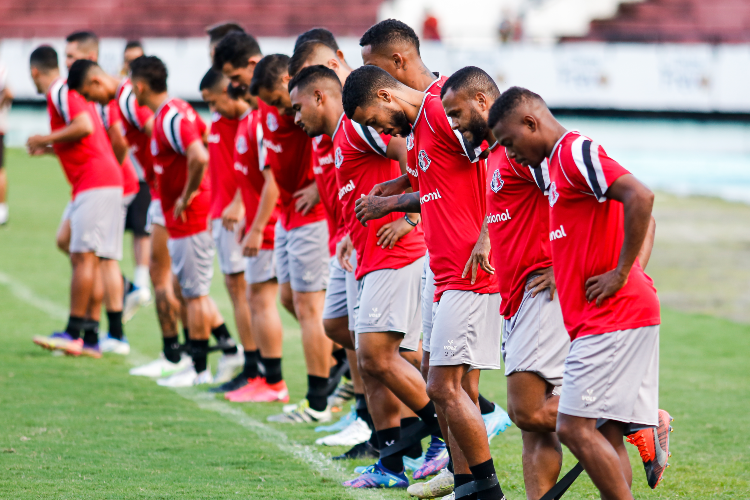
234 384
361 450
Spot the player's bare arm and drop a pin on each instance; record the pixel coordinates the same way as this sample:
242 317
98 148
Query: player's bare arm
269 196
544 279
480 255
307 198
119 144
197 162
391 188
375 207
637 202
148 127
396 150
233 213
78 128
344 252
648 244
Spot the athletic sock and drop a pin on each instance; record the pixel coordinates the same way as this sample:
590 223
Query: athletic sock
127 285
141 277
415 451
90 332
172 349
364 413
317 393
486 470
387 438
339 355
186 334
221 334
114 319
75 325
462 479
250 370
273 370
485 405
428 414
199 352
450 461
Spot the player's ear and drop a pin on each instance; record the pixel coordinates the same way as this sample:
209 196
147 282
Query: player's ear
482 101
530 123
333 64
340 55
384 95
398 60
318 97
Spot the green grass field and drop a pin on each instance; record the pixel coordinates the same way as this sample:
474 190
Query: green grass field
82 428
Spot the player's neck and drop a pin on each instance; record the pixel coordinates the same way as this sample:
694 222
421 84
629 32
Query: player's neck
420 77
46 80
556 131
410 101
155 101
332 119
242 107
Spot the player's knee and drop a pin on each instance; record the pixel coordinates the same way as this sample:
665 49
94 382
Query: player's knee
569 434
288 302
372 364
526 419
442 394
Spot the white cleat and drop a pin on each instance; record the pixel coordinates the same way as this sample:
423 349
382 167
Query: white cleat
355 433
114 346
229 366
187 378
437 487
162 367
302 414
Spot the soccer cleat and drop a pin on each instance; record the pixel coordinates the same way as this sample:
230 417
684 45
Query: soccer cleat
229 366
56 341
360 451
161 367
378 476
132 301
344 392
115 346
413 464
187 378
237 382
269 393
653 446
439 486
496 422
342 424
435 459
243 394
357 432
79 348
303 414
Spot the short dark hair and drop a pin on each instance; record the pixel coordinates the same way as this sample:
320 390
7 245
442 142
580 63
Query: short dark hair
218 31
77 73
471 80
235 48
152 70
321 35
44 58
302 53
211 79
389 32
508 102
361 86
311 75
83 37
133 44
268 71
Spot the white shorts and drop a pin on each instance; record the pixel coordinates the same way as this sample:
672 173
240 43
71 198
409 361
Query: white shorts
260 268
428 296
302 256
229 250
335 304
96 222
155 216
352 290
193 263
389 300
466 330
535 339
614 376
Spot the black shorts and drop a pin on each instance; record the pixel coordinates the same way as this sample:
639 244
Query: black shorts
2 150
136 218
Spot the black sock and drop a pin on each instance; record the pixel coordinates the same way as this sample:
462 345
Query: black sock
428 414
114 319
485 405
127 286
462 479
221 334
186 334
199 350
317 392
273 370
416 449
172 349
450 463
486 470
90 332
339 355
250 369
386 438
75 325
364 413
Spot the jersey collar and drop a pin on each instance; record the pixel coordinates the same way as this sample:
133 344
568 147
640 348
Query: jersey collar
246 114
552 153
419 113
338 125
167 101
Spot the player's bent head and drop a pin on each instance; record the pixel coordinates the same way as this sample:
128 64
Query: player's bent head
514 120
218 31
235 55
148 75
368 99
311 92
214 91
85 77
312 53
270 82
467 97
44 59
384 40
321 35
133 50
81 45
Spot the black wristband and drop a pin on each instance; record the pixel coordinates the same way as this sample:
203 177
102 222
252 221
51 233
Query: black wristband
408 220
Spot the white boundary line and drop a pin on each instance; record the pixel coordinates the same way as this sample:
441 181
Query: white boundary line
206 401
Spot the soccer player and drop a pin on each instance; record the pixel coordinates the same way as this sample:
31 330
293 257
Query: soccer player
599 219
95 212
6 98
133 50
217 32
466 331
180 162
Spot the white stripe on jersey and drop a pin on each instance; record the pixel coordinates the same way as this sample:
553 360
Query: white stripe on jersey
541 176
171 127
103 112
371 137
262 151
586 157
128 108
59 94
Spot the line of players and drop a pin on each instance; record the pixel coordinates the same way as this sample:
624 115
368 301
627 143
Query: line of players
403 162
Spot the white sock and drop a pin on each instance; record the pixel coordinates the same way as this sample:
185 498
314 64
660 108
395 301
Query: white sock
141 277
3 213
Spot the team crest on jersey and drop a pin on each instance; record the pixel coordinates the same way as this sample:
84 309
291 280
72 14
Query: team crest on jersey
241 145
339 160
553 195
271 123
190 115
423 160
497 182
154 148
410 141
215 117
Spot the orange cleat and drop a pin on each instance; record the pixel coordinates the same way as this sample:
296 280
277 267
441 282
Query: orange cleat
653 445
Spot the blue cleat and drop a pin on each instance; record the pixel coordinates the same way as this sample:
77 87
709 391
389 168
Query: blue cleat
378 476
435 459
496 422
342 424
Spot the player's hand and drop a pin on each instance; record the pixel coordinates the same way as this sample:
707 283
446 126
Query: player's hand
543 279
39 151
344 252
181 205
390 233
480 258
370 208
36 143
387 188
232 215
252 242
605 285
239 231
307 198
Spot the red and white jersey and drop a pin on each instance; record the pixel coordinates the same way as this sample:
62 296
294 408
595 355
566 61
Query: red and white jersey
586 234
411 156
110 116
221 163
134 118
518 225
176 127
325 178
249 162
361 163
290 156
452 181
88 163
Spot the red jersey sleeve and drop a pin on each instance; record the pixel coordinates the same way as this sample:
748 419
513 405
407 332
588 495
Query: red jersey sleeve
368 140
181 131
590 169
76 105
